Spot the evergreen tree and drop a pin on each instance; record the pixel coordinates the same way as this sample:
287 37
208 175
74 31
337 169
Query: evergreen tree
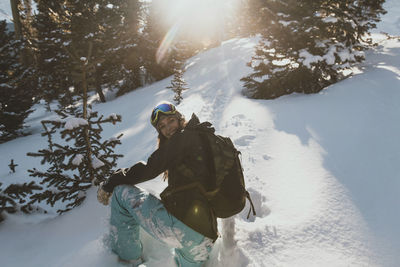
179 54
52 27
307 45
81 160
178 85
17 85
88 160
122 67
111 27
65 32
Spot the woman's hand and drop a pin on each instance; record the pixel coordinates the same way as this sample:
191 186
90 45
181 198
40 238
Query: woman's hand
102 196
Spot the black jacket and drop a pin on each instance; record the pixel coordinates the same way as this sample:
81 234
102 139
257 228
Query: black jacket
185 158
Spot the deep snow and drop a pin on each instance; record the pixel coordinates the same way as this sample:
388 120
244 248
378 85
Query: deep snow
322 169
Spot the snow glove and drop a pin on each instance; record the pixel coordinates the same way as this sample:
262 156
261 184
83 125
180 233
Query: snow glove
102 196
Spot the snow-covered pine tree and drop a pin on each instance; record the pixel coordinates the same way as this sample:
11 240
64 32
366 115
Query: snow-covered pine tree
180 53
178 85
14 199
67 28
112 29
307 45
120 39
17 85
81 159
52 35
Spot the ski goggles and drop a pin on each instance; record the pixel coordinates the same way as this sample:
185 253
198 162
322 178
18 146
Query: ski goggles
162 109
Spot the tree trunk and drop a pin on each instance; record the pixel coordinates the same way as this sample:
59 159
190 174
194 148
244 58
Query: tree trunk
16 19
23 28
98 85
85 113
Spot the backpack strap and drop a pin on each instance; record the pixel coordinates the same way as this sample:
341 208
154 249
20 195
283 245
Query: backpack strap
251 205
212 179
190 186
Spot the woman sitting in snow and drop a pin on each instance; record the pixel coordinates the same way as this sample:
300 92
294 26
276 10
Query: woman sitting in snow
180 219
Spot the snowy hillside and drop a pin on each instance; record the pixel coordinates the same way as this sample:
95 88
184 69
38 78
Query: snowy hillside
322 169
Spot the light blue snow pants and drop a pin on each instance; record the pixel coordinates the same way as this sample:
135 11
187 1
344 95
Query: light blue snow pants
132 207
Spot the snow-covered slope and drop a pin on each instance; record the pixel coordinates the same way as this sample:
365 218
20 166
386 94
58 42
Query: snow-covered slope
322 169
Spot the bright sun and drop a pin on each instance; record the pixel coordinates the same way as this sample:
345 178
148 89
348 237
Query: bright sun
200 20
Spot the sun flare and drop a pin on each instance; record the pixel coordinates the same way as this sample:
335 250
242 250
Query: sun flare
198 20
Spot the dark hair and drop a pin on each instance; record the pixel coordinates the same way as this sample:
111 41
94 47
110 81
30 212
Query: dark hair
162 139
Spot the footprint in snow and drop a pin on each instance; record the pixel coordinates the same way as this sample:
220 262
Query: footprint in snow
266 157
244 140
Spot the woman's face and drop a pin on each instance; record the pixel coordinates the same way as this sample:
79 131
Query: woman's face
168 125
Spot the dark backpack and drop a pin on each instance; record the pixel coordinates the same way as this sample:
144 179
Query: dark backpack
226 191
229 193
